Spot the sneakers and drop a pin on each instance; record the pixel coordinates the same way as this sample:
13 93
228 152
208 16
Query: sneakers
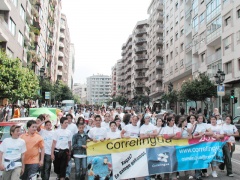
190 177
205 175
214 174
230 175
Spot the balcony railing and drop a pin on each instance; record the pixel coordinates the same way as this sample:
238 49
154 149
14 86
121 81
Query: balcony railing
139 67
141 48
214 57
188 47
140 75
215 34
137 58
61 54
139 85
214 14
141 40
188 65
140 31
159 77
60 63
188 13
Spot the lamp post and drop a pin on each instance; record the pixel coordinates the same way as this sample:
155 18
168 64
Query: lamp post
219 78
42 70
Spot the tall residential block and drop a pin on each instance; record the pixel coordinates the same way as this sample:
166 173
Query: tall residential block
114 80
155 62
64 50
71 66
98 89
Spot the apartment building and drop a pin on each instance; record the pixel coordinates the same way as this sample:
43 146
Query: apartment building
64 50
155 50
114 80
140 57
80 90
71 66
98 89
202 36
15 17
119 75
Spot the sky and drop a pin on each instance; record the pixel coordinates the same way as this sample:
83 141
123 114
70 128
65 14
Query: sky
98 29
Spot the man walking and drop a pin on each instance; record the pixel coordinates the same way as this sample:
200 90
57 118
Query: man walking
61 148
34 143
12 152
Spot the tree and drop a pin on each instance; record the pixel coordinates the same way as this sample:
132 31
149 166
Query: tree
171 97
16 82
198 89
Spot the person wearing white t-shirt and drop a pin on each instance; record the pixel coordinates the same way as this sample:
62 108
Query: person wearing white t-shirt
218 134
97 133
159 126
230 132
61 148
12 155
192 121
106 121
148 130
113 133
73 129
119 113
131 130
47 135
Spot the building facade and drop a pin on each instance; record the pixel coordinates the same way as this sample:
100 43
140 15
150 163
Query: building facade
80 90
114 81
71 66
98 89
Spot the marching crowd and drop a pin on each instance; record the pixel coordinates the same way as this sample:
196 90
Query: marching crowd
64 140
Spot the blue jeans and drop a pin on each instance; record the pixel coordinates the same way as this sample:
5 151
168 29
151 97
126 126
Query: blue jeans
80 168
69 168
30 171
46 169
147 178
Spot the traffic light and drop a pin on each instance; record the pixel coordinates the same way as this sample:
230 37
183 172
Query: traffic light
232 94
235 100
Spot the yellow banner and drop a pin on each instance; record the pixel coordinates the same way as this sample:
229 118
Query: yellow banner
122 145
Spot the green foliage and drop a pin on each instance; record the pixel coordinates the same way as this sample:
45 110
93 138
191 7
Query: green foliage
16 82
120 99
35 30
198 89
171 97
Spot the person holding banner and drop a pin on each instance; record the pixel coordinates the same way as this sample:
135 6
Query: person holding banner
113 133
97 133
159 126
230 132
131 130
147 130
171 132
217 135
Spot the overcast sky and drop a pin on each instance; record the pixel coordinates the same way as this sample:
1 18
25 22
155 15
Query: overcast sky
98 28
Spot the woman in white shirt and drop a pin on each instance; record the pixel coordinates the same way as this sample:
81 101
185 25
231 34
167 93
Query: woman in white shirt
131 130
230 132
218 134
113 133
192 121
159 126
148 130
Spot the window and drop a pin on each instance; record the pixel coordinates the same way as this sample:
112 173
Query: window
167 58
181 63
22 13
238 37
12 27
171 55
195 6
238 13
227 42
176 6
228 67
203 56
201 18
228 20
195 24
20 38
176 66
15 2
171 41
182 15
182 46
176 51
9 53
182 31
176 36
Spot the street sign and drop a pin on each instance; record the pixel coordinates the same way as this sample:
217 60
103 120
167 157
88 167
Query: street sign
220 90
47 95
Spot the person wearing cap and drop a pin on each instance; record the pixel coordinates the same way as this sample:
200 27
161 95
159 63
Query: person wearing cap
12 152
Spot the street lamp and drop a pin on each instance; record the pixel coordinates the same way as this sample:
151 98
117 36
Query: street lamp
219 78
42 71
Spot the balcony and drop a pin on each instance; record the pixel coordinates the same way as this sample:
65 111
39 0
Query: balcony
188 30
195 48
141 48
141 40
62 36
159 77
36 39
188 13
5 5
214 35
60 63
141 31
188 65
214 57
140 75
188 47
128 81
159 16
61 45
139 85
140 58
4 32
159 40
160 6
159 65
140 67
159 52
159 28
195 67
62 26
60 73
61 54
214 14
25 56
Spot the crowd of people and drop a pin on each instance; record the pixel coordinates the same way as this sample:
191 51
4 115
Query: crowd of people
65 139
